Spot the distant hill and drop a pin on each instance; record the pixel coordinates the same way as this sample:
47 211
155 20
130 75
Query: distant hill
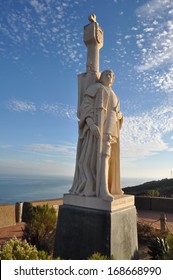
164 187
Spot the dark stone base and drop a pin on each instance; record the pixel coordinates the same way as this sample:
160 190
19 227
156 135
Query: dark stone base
83 231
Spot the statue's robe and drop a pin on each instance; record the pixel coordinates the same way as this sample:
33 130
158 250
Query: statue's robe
101 105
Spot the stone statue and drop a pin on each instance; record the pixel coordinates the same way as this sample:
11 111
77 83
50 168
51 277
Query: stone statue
97 170
95 215
97 164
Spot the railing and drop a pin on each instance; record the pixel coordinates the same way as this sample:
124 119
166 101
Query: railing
163 222
161 204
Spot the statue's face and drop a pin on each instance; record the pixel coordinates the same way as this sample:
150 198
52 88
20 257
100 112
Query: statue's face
107 78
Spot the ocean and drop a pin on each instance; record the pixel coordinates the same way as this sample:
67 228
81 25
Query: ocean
20 188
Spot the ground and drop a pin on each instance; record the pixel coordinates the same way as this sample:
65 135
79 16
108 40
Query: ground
144 218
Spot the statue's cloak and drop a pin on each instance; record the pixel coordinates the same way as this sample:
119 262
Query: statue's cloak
96 105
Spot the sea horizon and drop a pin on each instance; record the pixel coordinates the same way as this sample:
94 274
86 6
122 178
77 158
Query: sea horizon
22 188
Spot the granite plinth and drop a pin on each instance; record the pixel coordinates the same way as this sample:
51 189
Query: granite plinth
81 231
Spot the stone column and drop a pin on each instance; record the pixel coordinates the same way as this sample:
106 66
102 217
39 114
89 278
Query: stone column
18 211
93 39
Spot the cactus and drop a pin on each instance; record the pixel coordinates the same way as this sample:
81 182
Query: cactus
158 248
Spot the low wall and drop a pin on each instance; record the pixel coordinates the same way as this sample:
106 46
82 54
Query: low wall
7 215
51 202
10 214
162 204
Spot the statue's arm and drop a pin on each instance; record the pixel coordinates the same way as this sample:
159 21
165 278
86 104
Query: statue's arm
87 112
93 127
119 114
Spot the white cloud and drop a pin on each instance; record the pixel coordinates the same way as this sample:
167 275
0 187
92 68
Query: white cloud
126 37
36 167
153 7
66 149
134 28
48 23
39 158
60 110
165 81
21 106
119 42
160 55
143 135
5 146
39 7
149 29
155 44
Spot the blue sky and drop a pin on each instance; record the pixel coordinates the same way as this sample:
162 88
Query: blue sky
41 53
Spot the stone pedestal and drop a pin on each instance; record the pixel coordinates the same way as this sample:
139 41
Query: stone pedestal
88 225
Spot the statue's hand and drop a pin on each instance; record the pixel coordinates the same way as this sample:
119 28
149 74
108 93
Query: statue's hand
120 115
95 130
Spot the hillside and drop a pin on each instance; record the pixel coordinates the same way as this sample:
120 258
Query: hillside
164 187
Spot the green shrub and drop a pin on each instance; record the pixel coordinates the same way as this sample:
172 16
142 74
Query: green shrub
15 249
44 255
27 212
169 254
40 227
98 256
153 192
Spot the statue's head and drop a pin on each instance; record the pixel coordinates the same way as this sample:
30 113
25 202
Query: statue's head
107 78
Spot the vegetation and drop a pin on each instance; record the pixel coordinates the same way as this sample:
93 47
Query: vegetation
98 256
147 232
161 248
157 188
169 254
14 249
152 192
40 232
158 248
157 245
40 227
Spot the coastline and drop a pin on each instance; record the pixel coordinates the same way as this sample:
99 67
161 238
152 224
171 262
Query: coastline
20 188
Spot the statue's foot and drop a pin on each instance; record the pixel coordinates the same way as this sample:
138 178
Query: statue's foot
119 193
71 192
106 196
89 193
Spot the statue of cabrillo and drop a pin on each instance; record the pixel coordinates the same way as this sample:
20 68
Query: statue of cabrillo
97 170
96 216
